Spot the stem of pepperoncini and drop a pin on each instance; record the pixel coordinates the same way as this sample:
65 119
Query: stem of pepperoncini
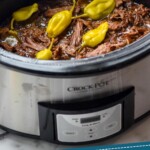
52 43
82 46
73 7
80 16
80 49
12 24
12 31
45 54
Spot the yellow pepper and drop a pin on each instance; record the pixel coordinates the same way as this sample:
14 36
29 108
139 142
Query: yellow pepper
94 37
45 54
57 24
23 14
98 9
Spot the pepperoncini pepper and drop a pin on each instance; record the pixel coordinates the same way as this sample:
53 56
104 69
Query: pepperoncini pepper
22 15
98 9
56 25
59 22
45 54
94 37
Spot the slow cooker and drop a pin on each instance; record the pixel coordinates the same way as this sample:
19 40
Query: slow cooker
74 101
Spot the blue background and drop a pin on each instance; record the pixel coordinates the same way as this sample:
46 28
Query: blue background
133 146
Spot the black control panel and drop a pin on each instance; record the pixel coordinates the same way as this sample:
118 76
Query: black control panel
48 114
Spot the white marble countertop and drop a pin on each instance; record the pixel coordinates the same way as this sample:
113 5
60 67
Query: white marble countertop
138 133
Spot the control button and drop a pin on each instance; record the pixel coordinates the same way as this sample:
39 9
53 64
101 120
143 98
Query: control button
70 133
91 137
93 129
111 126
90 130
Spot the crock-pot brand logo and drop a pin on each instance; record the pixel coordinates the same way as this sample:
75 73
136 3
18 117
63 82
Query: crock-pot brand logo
98 85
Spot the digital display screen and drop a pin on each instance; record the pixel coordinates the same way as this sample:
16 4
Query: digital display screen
90 119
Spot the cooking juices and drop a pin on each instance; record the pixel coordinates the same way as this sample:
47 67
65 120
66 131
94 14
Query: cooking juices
127 22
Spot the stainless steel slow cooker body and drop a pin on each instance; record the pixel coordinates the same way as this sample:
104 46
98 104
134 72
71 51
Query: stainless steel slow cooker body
24 82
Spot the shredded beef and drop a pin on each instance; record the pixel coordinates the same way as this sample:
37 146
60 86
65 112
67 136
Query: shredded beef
5 45
66 48
102 49
31 44
57 53
4 33
50 12
80 5
118 2
128 22
76 36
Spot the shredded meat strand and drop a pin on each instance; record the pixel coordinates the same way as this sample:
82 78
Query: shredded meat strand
50 12
29 43
76 36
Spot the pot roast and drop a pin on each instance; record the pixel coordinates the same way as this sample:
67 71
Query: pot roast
128 22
